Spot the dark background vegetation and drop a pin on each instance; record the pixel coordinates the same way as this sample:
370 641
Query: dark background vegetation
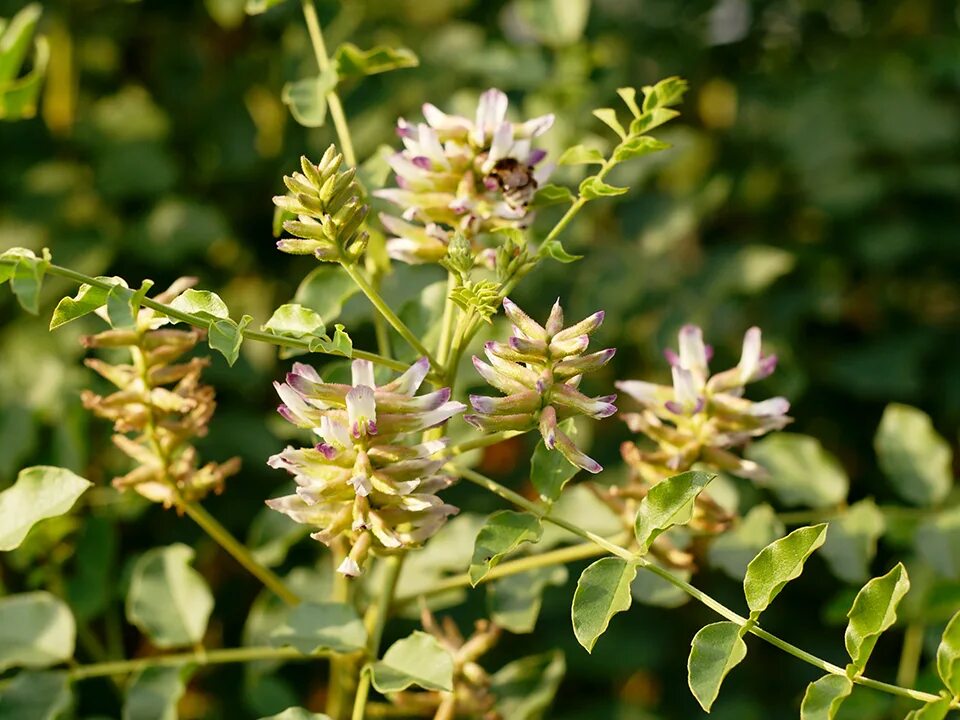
812 190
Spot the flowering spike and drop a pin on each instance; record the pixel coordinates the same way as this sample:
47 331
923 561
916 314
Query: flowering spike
539 369
364 482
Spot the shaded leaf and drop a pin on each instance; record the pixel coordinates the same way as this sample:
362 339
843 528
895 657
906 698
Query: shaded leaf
226 336
351 60
25 272
35 696
417 659
503 533
801 471
874 610
307 98
324 290
733 550
18 95
297 713
948 656
550 471
36 630
554 249
312 627
668 503
525 688
938 542
852 541
917 461
256 7
551 195
824 697
153 694
514 601
931 711
779 563
650 589
39 493
169 600
602 591
716 649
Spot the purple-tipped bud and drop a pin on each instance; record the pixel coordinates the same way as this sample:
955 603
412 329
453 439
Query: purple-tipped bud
287 415
327 450
422 162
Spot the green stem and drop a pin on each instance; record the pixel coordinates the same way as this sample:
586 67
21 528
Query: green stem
207 657
692 591
380 304
199 322
342 667
376 620
807 517
447 323
240 552
910 654
333 100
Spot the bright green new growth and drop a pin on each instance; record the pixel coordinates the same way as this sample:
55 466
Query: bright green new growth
874 611
777 564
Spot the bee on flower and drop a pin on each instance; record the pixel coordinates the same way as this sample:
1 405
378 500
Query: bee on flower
457 174
539 369
362 481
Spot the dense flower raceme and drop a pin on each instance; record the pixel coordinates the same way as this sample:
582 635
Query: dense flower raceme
363 481
700 417
539 369
159 407
326 211
455 174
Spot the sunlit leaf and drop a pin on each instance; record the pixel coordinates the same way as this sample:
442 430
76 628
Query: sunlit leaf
169 600
823 697
948 656
554 249
296 321
36 630
87 299
917 461
311 627
638 146
257 7
581 155
668 503
874 610
417 659
777 564
602 591
19 93
609 118
667 92
203 303
503 533
351 60
297 713
716 649
593 187
551 195
39 493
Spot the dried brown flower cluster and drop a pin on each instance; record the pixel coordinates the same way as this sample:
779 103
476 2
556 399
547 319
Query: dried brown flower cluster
159 407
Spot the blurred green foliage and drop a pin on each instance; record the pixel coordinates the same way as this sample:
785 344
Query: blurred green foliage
812 190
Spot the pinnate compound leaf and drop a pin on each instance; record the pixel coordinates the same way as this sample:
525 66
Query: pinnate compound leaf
874 610
551 195
525 688
609 118
638 146
297 713
948 656
667 92
852 541
35 695
351 60
734 549
503 533
296 321
777 564
593 187
153 693
931 711
602 591
917 461
417 659
581 155
311 627
550 471
169 600
514 601
669 503
36 630
801 471
716 649
39 493
824 697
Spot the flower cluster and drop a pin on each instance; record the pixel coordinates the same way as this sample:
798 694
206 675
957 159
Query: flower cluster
362 482
158 408
461 175
539 369
701 417
328 210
